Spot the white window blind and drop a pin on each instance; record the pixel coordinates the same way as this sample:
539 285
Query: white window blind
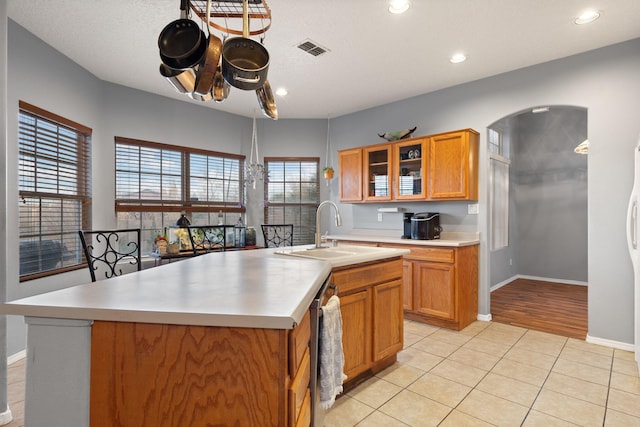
54 189
292 195
156 182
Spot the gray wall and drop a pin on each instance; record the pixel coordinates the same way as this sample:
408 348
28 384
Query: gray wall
603 81
41 76
3 209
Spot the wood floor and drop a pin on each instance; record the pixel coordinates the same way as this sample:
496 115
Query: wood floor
542 306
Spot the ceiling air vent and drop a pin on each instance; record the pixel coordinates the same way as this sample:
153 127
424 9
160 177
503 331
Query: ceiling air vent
312 48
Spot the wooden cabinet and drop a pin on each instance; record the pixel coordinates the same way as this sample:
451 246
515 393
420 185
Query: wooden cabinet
350 166
377 172
443 286
176 375
453 166
439 284
372 318
434 167
409 181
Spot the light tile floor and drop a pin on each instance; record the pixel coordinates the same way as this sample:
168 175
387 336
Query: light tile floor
491 374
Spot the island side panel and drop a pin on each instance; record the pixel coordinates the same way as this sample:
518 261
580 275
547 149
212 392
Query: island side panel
177 375
57 372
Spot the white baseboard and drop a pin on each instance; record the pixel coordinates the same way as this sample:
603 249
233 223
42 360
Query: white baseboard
6 417
610 343
485 317
15 357
542 279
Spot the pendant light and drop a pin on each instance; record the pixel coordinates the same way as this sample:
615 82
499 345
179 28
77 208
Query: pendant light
254 171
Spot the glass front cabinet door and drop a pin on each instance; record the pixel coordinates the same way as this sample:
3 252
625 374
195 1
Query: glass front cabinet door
409 174
377 163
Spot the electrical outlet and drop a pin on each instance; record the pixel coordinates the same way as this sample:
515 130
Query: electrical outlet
379 216
473 209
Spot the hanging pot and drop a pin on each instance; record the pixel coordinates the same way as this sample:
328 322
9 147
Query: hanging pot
182 80
207 69
182 43
266 101
245 62
220 86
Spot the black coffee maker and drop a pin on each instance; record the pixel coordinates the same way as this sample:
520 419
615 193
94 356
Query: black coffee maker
406 222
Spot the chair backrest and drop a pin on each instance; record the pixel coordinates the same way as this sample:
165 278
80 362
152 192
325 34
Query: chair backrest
109 251
277 235
207 238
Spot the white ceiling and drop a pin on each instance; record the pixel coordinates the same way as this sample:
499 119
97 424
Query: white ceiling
375 57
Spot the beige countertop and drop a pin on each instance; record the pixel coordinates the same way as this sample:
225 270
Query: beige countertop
385 236
253 288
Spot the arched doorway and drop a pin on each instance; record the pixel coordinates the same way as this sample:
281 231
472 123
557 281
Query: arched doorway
538 207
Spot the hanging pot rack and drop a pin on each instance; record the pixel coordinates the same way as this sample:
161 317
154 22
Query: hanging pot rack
226 16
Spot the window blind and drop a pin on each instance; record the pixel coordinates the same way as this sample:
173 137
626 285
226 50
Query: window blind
156 182
54 190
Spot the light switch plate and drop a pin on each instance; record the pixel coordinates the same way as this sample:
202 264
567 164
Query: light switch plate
379 216
473 209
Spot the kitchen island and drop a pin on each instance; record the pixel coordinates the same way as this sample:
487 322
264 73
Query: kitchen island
218 339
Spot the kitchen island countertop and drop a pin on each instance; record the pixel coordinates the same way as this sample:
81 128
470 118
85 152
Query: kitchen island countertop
253 289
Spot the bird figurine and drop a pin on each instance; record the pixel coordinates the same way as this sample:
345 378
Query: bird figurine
399 134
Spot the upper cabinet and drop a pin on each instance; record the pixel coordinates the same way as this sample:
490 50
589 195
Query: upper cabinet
434 167
453 166
409 182
350 166
377 172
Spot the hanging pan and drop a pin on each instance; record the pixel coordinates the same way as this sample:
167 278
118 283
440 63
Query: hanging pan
245 62
182 43
207 69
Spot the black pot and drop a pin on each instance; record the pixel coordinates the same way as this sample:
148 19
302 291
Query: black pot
182 44
245 63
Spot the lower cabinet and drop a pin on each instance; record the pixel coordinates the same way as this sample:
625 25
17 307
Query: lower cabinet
441 286
372 318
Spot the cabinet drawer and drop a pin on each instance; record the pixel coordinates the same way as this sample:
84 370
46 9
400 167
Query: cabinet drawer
299 388
299 343
432 254
355 278
304 417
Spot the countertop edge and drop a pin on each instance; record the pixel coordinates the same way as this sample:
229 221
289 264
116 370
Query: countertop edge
398 241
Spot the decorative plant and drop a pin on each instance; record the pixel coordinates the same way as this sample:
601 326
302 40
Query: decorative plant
328 172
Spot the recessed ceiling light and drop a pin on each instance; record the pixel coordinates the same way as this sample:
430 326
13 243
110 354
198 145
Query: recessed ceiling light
587 16
537 110
457 58
398 6
281 91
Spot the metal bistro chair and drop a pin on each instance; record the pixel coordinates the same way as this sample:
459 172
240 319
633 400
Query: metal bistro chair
277 235
111 250
207 238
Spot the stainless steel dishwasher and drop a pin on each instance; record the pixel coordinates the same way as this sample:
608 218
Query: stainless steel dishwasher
317 413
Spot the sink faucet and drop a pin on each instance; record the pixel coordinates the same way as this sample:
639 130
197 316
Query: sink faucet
338 220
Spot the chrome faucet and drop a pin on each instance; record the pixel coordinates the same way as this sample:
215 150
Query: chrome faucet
338 220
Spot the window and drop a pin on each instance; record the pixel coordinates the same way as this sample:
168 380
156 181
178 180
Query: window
498 190
292 195
156 182
55 191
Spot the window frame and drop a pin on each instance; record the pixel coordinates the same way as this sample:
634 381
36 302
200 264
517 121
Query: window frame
82 183
268 204
165 207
